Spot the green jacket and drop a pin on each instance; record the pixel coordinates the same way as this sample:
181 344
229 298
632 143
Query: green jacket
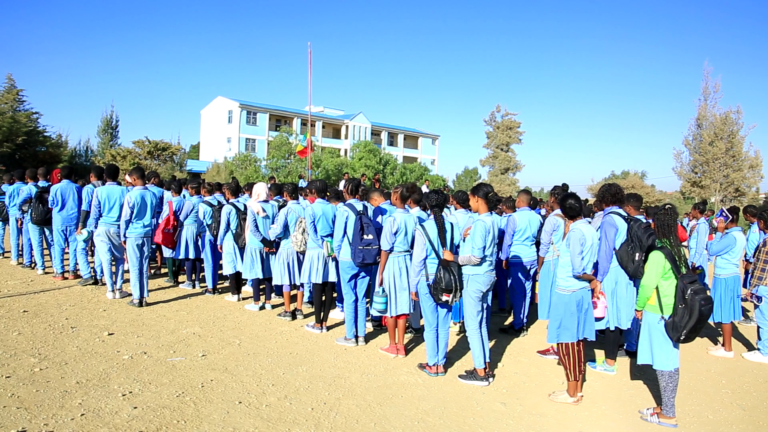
658 275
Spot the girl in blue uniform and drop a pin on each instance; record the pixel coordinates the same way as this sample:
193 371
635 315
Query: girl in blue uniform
231 253
728 248
479 277
319 269
501 287
444 236
396 248
753 239
286 270
698 258
181 210
258 248
188 246
461 218
572 320
758 292
208 246
549 252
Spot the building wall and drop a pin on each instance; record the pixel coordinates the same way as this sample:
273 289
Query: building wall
214 130
260 130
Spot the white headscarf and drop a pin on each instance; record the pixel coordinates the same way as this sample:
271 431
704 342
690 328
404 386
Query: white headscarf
259 193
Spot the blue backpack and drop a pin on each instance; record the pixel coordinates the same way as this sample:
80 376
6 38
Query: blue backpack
364 242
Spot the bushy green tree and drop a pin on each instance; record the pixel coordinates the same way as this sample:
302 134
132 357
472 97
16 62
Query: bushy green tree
108 132
218 172
632 182
247 167
467 178
366 158
194 151
502 132
162 156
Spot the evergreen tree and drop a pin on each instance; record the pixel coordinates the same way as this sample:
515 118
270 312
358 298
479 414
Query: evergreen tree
80 157
467 178
108 132
194 151
502 132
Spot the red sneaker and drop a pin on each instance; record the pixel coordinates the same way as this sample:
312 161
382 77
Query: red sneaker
401 351
549 353
58 277
390 350
73 276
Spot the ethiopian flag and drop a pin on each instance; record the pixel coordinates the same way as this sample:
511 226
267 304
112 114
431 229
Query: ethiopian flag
302 150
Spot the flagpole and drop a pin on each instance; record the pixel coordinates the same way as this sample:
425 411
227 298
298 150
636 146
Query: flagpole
309 123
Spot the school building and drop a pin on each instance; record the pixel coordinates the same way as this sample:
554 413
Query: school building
231 126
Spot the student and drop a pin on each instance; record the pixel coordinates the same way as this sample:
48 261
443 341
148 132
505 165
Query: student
64 200
14 214
30 177
382 208
396 248
597 218
572 320
461 218
728 246
31 231
97 180
414 202
620 293
343 182
758 292
208 247
552 235
286 271
477 269
188 246
319 269
185 188
376 181
654 346
7 182
136 233
753 240
501 286
272 179
302 182
154 184
218 193
336 198
698 258
519 256
106 211
437 317
633 205
354 280
256 260
231 253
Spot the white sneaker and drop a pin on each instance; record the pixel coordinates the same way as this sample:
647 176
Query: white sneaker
337 314
197 285
14 262
268 306
247 288
121 294
715 348
755 356
40 272
232 298
368 326
721 352
187 285
110 295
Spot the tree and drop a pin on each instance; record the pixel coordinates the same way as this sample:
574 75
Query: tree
194 151
108 132
467 178
632 182
367 158
246 167
715 162
502 132
24 141
80 157
282 161
153 155
218 172
539 193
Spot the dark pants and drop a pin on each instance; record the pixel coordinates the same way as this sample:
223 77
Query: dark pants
612 341
236 283
323 298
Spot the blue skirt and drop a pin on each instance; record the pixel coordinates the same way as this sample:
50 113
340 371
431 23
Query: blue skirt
546 287
396 285
570 317
287 267
188 246
256 263
231 257
317 267
726 293
621 296
655 348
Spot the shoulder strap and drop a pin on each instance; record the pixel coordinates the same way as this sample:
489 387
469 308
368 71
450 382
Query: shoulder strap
353 209
209 204
625 218
671 259
429 240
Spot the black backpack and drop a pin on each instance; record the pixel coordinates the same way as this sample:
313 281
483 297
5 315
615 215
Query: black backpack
641 239
447 285
693 306
213 227
40 212
3 208
242 225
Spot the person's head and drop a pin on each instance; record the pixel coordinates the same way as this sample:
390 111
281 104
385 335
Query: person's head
111 172
482 198
318 189
436 202
597 205
248 188
346 176
364 177
460 200
400 196
153 178
709 213
275 190
534 203
8 178
589 210
176 188
508 205
750 213
388 196
31 175
137 176
18 175
194 188
97 173
377 176
207 189
415 195
523 199
301 176
67 172
363 193
571 206
335 196
303 192
290 191
633 202
351 188
426 182
375 197
699 209
81 183
230 191
556 193
762 221
665 226
611 195
272 179
650 212
735 213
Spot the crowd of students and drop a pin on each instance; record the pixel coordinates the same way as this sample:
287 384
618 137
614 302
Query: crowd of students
282 238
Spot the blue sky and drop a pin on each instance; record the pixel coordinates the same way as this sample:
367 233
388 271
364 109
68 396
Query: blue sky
598 86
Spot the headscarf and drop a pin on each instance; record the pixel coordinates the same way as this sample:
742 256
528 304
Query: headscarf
55 176
259 193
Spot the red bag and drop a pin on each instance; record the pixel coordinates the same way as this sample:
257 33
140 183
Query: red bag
682 234
167 231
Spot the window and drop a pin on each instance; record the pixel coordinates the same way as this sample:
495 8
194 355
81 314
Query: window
229 117
278 125
391 139
252 118
229 144
250 145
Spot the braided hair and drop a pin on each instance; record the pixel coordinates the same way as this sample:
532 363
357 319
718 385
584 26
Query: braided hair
557 192
762 219
436 200
665 225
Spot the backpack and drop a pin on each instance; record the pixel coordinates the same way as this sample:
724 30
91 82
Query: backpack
3 208
300 236
213 227
693 306
168 230
364 242
447 283
242 225
40 212
641 239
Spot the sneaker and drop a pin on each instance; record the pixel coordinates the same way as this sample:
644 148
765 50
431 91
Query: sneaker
337 314
308 305
233 298
755 356
549 353
361 341
135 303
27 267
144 302
622 353
97 282
602 367
87 281
715 347
473 378
747 322
73 276
427 369
210 292
286 316
368 325
299 314
171 281
343 341
2 255
520 332
313 329
110 295
197 285
268 306
401 351
247 288
119 294
324 329
721 352
14 262
187 285
40 272
58 277
390 350
255 307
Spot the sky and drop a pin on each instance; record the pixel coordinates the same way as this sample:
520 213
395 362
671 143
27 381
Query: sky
598 86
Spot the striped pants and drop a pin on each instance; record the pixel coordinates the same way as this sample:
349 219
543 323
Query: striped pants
572 358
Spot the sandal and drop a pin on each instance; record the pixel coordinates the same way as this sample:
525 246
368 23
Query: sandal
648 411
654 419
157 272
565 398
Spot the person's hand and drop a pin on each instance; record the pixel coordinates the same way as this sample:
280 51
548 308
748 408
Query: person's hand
747 265
381 279
220 249
79 231
448 255
414 296
639 314
720 226
505 265
333 256
124 246
20 223
466 231
596 288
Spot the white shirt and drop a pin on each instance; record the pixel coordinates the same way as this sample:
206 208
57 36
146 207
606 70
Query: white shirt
341 184
424 188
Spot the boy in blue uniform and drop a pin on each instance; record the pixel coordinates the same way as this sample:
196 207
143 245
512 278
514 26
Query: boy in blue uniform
64 201
106 209
38 233
136 234
11 198
154 185
97 177
23 211
7 182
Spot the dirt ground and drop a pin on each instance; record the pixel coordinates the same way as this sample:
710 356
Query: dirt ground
70 359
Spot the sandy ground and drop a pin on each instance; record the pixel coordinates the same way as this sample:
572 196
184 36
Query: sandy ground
70 359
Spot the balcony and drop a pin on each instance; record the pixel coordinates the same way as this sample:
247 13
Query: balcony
410 142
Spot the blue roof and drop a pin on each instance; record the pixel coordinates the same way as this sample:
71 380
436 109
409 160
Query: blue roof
197 166
327 116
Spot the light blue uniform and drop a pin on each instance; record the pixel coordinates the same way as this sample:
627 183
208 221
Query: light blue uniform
697 249
728 250
188 246
397 239
64 200
620 292
420 214
761 316
461 219
181 210
551 245
318 267
82 247
106 212
3 224
37 233
256 261
519 250
136 229
11 200
754 236
210 250
501 286
287 268
231 254
26 239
